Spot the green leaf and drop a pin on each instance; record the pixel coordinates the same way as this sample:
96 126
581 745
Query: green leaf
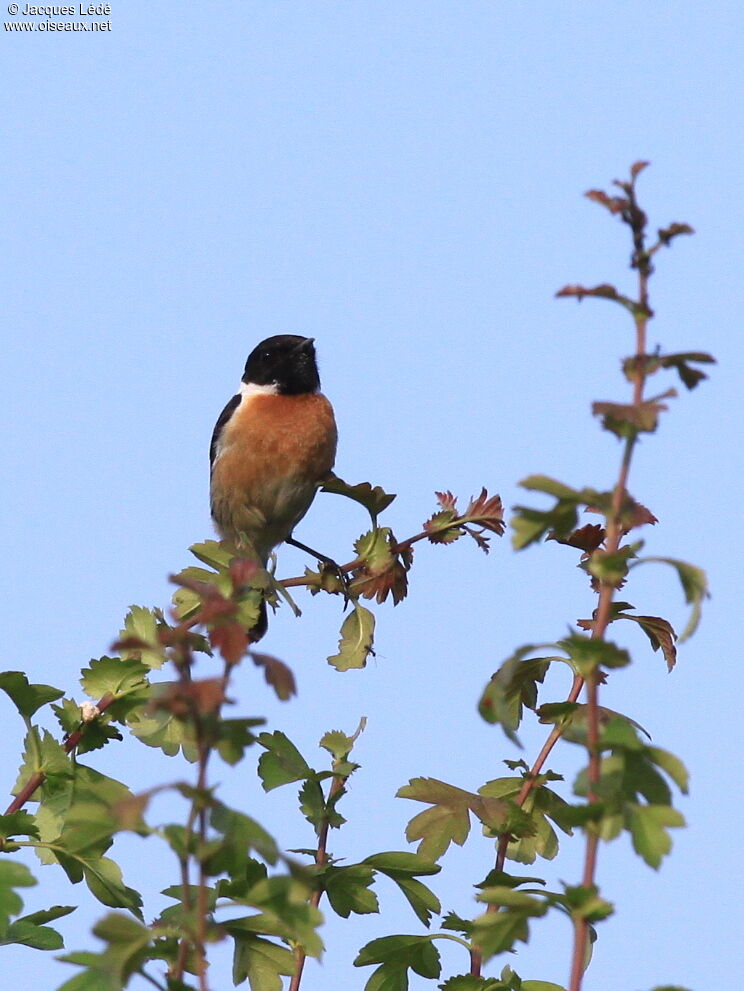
672 765
355 645
541 808
448 821
282 762
505 896
127 948
694 583
94 733
397 955
30 930
550 486
466 982
457 924
260 962
12 875
42 753
218 554
513 686
313 804
142 624
104 879
588 654
113 676
497 932
659 631
612 568
240 836
284 911
374 500
403 869
348 890
381 568
648 825
156 727
585 903
337 743
234 736
531 525
19 823
26 697
502 879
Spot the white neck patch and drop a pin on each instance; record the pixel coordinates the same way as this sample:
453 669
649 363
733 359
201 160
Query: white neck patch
248 389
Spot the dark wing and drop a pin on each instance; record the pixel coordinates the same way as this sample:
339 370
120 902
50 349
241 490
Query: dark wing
224 416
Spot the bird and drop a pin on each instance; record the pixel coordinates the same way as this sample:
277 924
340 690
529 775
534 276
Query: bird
272 446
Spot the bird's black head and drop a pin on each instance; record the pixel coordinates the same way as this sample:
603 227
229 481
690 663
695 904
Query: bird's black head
287 361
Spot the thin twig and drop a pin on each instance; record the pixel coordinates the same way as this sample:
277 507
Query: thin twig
321 858
640 261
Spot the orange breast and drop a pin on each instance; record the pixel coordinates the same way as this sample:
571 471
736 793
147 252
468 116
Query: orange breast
272 453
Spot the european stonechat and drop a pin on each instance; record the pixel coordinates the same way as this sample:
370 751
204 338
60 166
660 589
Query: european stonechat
272 446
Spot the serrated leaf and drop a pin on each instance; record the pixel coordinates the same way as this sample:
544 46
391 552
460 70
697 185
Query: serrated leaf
467 982
42 753
382 569
448 820
261 962
337 743
401 953
497 932
160 728
611 568
141 624
660 633
19 823
348 890
559 522
357 636
511 688
127 944
113 676
589 654
584 902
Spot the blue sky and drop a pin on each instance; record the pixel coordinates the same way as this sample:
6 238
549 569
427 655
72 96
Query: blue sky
401 181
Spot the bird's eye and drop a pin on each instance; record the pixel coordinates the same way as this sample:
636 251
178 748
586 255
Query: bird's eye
265 354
